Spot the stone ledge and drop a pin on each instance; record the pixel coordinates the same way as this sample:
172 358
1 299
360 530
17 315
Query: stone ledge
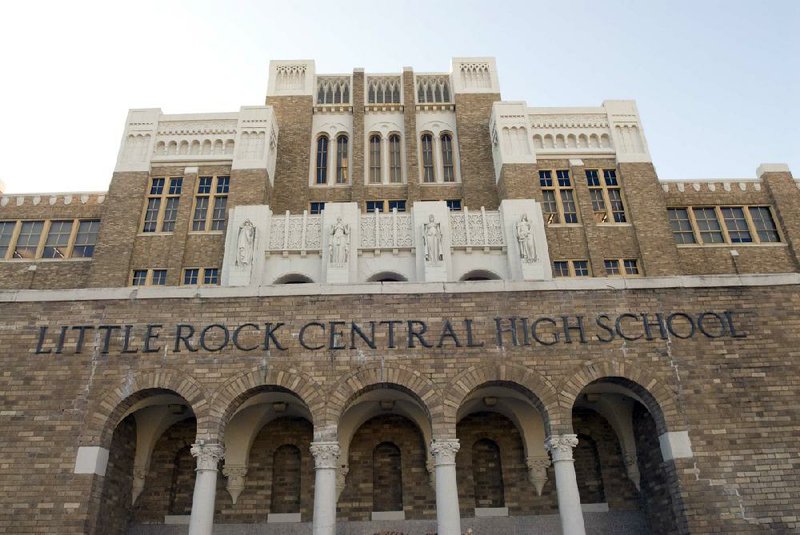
401 288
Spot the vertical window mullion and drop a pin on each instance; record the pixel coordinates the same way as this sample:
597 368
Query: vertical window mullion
722 224
750 225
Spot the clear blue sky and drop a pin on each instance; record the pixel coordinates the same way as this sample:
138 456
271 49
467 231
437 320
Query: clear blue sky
717 82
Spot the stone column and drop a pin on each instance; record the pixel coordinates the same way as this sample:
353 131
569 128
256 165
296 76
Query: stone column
326 459
569 500
448 517
205 487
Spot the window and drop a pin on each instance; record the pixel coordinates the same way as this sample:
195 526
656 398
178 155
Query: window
454 205
86 239
149 277
447 158
161 209
316 208
681 225
322 159
6 233
742 224
342 175
395 162
571 268
427 158
208 276
57 239
559 197
385 206
606 196
210 203
28 240
375 159
630 267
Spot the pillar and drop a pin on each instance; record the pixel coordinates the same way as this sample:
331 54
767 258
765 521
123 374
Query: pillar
326 459
205 487
569 500
448 517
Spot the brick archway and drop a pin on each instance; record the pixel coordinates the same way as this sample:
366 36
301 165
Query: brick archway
659 399
114 402
346 390
536 387
229 397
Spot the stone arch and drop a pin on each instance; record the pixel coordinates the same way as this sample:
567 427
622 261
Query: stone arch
536 387
229 397
479 275
656 396
135 386
347 389
387 276
293 278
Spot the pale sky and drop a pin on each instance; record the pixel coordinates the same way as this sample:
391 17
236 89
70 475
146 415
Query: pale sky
716 82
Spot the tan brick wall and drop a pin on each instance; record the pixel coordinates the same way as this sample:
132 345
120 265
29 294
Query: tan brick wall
291 190
475 150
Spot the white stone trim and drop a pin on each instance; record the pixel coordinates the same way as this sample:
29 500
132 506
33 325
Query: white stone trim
403 288
675 445
482 512
772 168
91 460
283 518
388 515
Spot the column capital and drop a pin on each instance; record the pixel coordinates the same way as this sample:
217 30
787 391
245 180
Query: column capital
560 446
444 450
207 455
326 454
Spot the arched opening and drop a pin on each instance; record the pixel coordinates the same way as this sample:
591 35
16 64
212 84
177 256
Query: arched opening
269 470
387 276
150 474
502 467
387 478
293 278
480 275
618 460
487 473
385 467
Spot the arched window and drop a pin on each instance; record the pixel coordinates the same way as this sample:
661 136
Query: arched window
341 159
387 478
427 158
447 158
395 169
286 480
375 159
487 472
322 159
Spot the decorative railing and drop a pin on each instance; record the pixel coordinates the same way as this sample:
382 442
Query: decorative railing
433 89
386 231
476 229
297 233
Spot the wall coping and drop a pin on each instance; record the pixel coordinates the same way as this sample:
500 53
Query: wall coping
402 288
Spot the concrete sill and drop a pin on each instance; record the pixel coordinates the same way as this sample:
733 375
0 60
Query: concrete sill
177 519
283 518
388 515
491 511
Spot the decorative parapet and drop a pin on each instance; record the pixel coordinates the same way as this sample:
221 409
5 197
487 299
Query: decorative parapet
476 229
474 75
295 233
383 92
433 91
510 134
712 186
53 199
333 93
247 138
291 78
570 131
386 231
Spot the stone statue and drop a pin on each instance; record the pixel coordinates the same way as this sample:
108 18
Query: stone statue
527 246
339 244
432 239
244 244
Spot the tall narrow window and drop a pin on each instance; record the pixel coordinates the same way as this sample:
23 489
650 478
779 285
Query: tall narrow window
171 206
736 224
6 233
161 210
559 197
86 238
447 158
341 159
375 159
567 197
681 225
153 205
764 224
322 159
395 166
211 203
708 225
427 158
